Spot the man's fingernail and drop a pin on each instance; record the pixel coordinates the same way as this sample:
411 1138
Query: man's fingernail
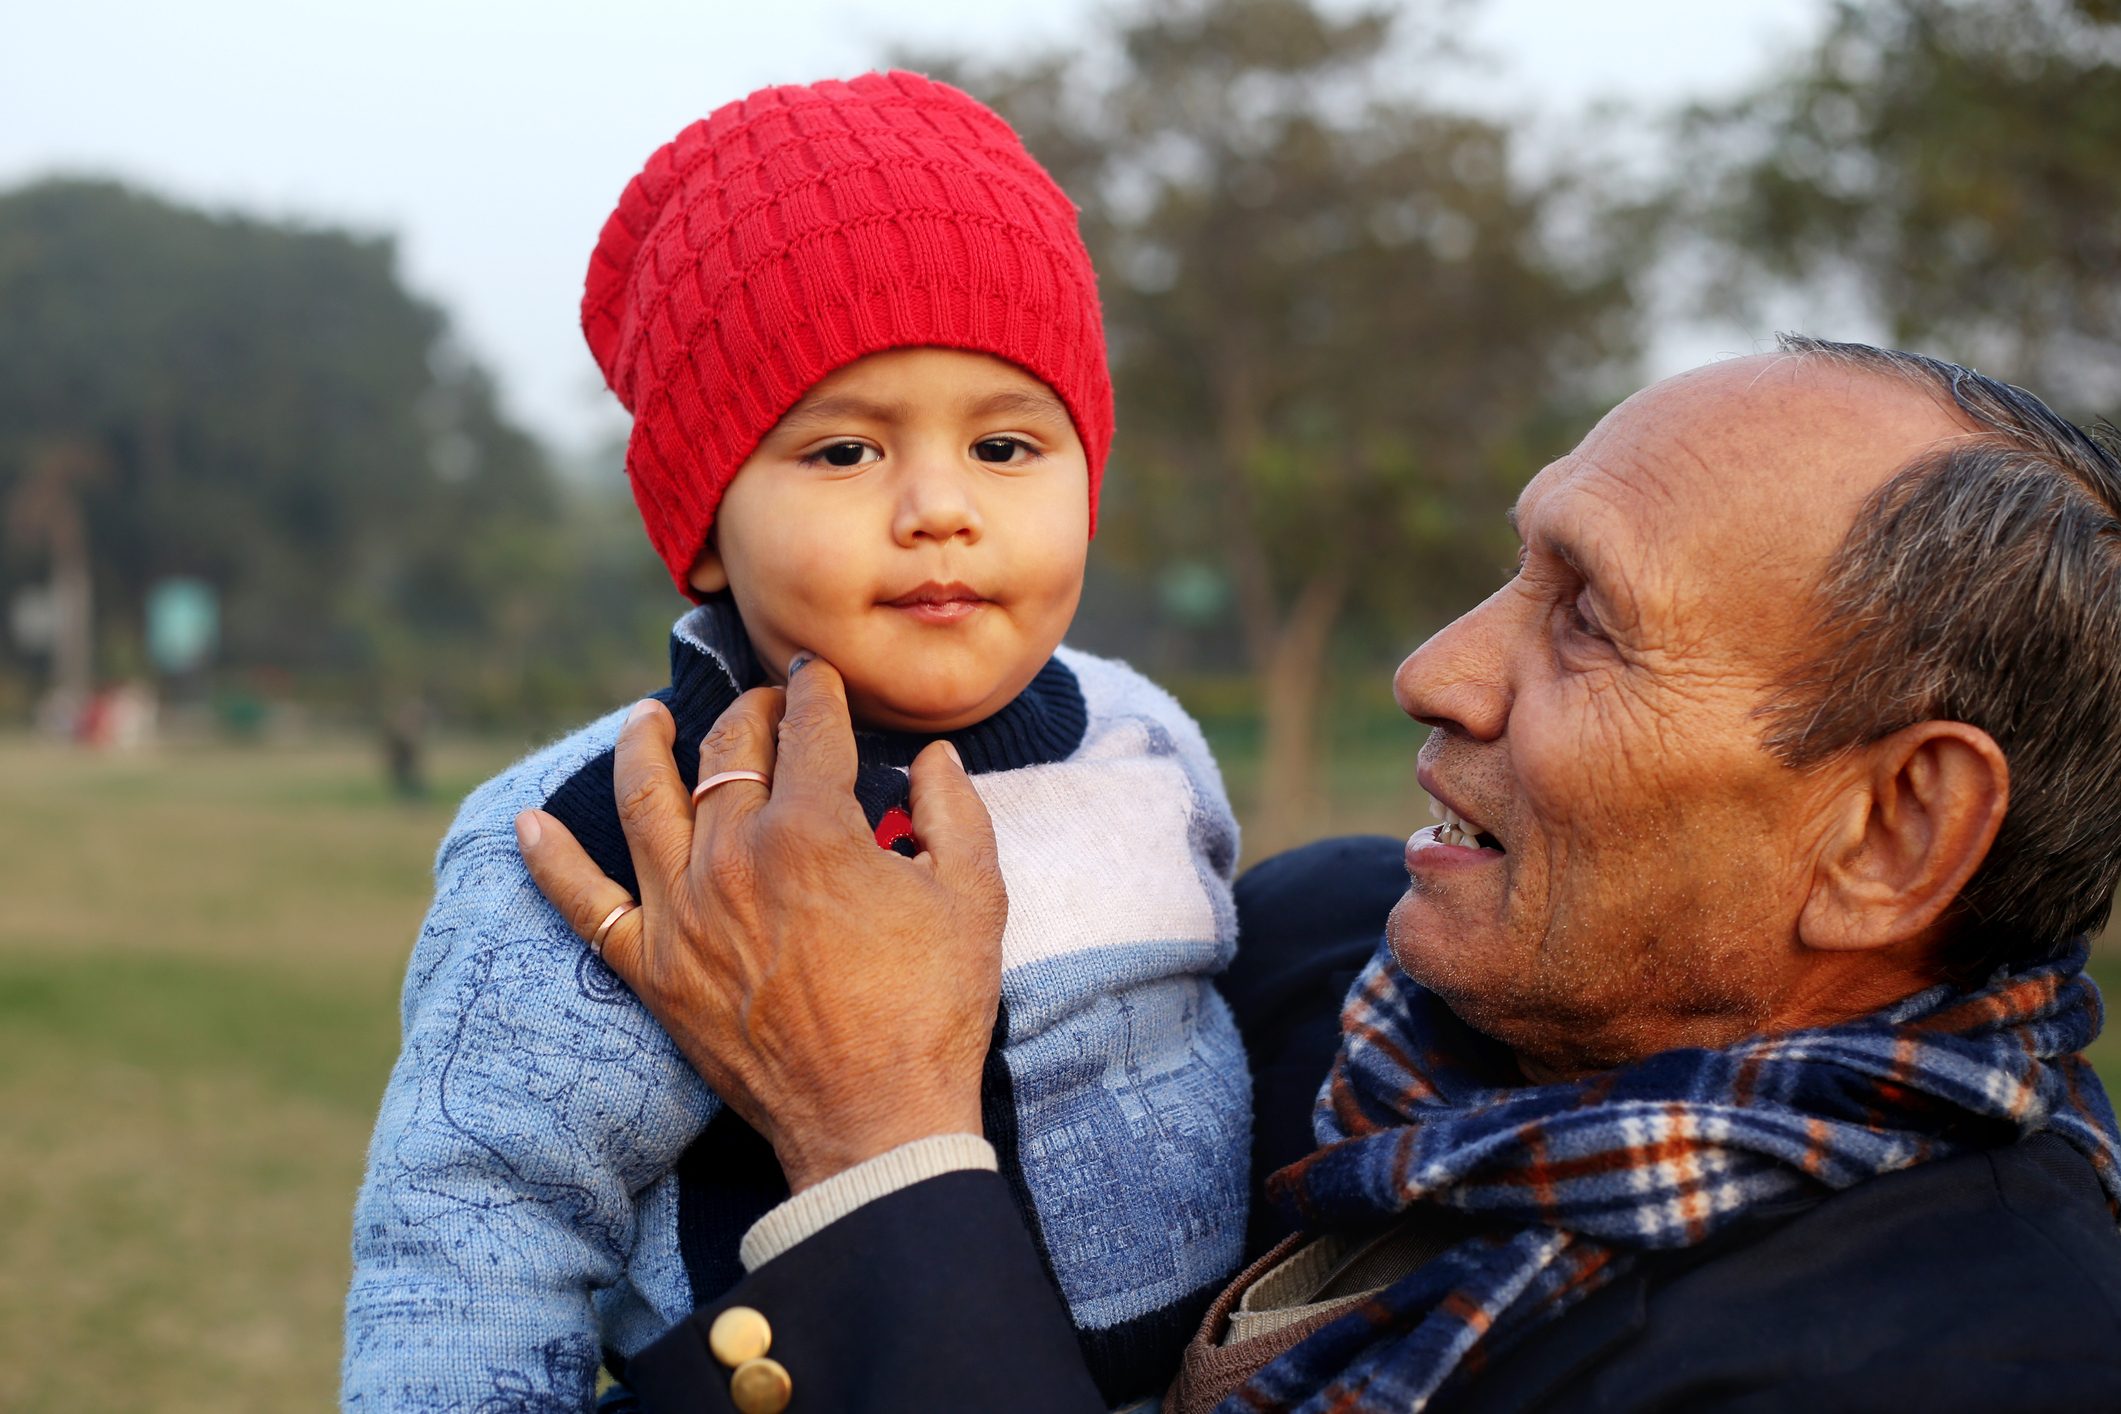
799 662
528 830
640 709
959 760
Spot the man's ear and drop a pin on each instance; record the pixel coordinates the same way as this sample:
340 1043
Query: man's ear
708 575
1910 832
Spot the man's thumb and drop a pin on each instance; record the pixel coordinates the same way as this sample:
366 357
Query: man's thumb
949 818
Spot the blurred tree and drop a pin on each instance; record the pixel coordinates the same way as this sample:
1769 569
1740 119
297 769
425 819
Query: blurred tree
1344 325
1954 166
273 413
44 513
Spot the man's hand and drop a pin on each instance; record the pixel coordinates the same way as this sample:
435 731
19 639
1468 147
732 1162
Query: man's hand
839 996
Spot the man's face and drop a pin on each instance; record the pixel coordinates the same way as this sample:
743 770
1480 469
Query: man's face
1641 858
920 521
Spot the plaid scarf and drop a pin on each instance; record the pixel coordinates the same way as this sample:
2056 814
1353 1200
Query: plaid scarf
1581 1175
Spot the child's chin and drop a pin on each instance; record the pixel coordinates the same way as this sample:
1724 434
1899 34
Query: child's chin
933 711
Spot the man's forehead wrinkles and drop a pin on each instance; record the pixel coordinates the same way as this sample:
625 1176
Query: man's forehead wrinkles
1588 510
1595 535
1678 516
1660 481
1581 520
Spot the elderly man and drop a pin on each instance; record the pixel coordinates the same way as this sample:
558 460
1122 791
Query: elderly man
1724 1053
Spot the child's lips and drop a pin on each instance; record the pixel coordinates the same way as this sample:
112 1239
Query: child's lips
940 604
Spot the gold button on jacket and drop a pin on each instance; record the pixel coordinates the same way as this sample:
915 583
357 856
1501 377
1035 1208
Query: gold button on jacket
760 1387
738 1335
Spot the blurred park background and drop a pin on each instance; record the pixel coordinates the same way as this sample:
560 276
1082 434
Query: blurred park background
312 511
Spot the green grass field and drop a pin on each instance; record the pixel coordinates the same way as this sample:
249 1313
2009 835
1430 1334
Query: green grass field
199 967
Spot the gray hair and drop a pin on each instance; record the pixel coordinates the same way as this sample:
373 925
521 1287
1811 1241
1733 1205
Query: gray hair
1982 584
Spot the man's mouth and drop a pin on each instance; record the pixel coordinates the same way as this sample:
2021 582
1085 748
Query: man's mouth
1459 832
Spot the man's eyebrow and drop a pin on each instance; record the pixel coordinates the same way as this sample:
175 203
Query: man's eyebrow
1566 552
1562 549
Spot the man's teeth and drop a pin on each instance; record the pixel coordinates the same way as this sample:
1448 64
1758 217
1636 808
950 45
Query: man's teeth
1455 829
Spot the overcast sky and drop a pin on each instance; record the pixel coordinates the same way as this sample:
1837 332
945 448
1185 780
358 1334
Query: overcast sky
492 138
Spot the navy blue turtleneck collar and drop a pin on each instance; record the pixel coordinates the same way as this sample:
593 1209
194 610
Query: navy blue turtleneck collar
710 655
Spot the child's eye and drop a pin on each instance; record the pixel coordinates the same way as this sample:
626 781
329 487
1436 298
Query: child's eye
844 454
1001 449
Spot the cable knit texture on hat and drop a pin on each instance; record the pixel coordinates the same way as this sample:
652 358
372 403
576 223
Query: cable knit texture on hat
795 231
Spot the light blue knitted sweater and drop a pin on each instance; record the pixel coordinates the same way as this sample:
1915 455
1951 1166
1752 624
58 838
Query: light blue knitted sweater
550 1185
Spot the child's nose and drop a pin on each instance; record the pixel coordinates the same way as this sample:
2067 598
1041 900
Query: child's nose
936 502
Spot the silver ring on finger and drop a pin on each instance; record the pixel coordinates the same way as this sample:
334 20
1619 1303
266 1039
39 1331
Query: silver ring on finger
723 778
596 941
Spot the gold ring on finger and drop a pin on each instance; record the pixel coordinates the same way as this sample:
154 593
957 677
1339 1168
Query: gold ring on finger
596 941
723 778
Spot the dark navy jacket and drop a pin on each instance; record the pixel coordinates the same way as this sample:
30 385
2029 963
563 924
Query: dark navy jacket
1990 1282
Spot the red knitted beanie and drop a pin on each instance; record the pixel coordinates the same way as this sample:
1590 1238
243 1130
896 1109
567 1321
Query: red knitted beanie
792 232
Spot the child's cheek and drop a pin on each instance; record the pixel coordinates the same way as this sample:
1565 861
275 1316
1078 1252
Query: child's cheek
792 547
815 578
824 599
1051 580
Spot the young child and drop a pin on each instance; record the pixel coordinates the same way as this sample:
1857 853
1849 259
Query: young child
860 338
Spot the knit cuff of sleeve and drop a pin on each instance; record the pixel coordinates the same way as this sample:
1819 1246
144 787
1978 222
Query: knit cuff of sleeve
812 1210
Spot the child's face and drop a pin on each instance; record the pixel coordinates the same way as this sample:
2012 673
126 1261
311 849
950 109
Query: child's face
920 521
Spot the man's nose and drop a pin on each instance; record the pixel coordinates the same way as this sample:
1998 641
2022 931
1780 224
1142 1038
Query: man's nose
937 501
1459 679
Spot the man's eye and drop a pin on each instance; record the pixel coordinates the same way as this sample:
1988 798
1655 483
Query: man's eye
1000 449
844 454
1581 622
